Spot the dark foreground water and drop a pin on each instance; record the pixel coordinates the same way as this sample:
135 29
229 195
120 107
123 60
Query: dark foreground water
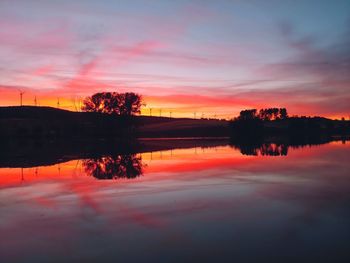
183 205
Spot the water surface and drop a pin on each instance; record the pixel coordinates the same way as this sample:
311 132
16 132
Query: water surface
210 204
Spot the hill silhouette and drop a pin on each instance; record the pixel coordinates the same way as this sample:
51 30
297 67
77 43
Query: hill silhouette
53 123
31 121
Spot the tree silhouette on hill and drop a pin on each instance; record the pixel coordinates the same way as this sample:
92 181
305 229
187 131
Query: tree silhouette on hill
273 114
251 122
123 104
268 114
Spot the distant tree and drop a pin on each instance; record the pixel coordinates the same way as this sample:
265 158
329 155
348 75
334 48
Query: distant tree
248 114
129 103
247 124
275 113
270 114
283 113
124 104
264 115
95 103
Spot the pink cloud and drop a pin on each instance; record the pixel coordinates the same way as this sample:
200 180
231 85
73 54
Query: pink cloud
44 70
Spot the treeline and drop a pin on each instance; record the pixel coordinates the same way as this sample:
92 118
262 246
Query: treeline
275 121
264 114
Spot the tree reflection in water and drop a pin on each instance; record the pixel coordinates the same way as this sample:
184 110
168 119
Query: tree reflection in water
263 149
113 167
267 149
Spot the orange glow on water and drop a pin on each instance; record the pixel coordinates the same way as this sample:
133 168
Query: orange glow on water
208 185
177 161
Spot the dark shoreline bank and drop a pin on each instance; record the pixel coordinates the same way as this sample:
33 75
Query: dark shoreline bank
45 123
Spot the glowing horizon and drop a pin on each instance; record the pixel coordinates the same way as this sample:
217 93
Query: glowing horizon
214 58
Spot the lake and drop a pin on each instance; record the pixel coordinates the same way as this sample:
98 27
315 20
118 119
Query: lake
212 203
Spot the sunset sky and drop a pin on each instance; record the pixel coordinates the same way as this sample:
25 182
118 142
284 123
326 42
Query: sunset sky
209 57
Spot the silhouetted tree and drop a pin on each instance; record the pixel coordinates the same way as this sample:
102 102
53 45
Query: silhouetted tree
270 114
283 113
247 124
129 103
96 103
248 114
275 112
263 115
124 104
253 123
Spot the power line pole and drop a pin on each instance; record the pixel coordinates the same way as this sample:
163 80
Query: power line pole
35 101
58 102
21 97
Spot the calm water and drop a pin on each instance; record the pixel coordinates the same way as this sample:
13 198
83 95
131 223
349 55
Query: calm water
182 205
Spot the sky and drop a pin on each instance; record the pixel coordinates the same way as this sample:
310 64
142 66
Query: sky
186 58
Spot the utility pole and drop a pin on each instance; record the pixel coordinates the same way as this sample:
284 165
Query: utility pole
58 102
35 101
160 112
194 114
21 97
170 114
